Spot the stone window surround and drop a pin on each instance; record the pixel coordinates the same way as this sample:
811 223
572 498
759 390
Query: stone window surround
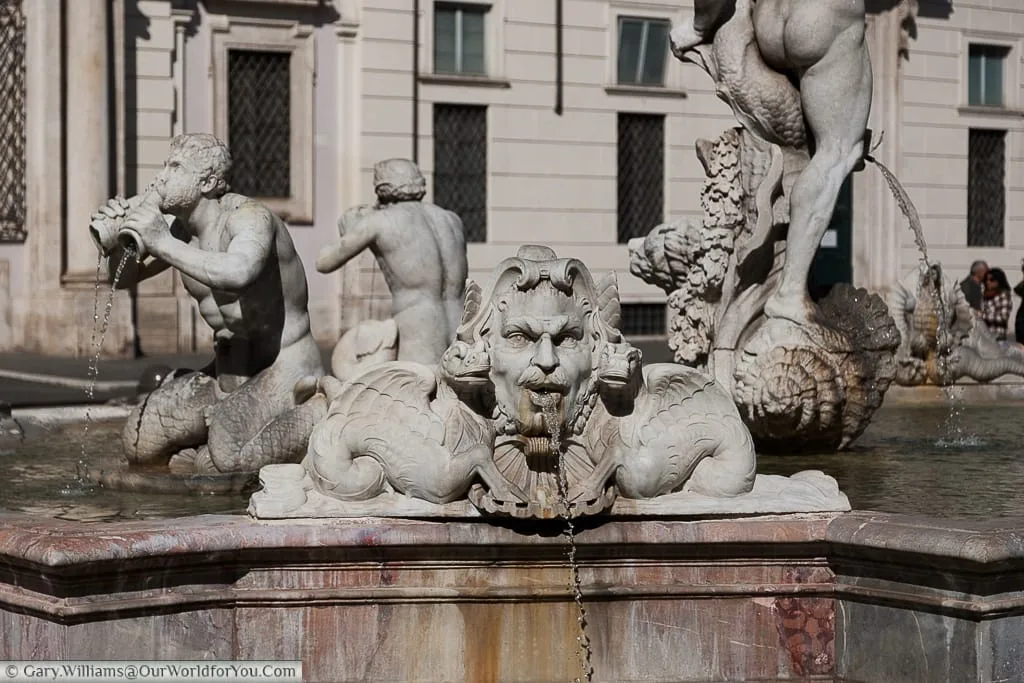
1011 72
673 85
494 45
247 33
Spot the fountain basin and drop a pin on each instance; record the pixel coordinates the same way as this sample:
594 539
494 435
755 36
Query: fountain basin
854 596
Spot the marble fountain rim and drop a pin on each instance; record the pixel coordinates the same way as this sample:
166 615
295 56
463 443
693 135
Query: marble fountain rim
75 571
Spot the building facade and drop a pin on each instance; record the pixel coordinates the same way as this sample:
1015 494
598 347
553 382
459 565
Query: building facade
562 122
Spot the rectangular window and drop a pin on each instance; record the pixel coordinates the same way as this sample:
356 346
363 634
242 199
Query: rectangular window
460 165
259 122
985 75
643 51
12 122
644 320
641 174
986 188
459 39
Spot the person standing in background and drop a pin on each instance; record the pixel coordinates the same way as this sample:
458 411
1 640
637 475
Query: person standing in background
973 285
1018 322
998 303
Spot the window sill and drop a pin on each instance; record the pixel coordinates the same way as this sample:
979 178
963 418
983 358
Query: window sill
462 79
293 3
645 91
983 110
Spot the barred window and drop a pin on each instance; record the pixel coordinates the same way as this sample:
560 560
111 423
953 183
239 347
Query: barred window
460 165
459 39
985 65
259 122
12 121
644 320
643 51
641 174
986 187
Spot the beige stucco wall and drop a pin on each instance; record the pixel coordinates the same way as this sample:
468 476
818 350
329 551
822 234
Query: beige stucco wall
552 178
934 159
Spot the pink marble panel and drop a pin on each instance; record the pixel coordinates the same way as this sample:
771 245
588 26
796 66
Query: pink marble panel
195 634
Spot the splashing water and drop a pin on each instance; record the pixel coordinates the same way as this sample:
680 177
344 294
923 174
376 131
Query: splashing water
552 422
954 428
99 333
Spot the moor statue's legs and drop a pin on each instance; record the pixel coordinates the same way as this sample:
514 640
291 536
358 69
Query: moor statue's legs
835 92
169 419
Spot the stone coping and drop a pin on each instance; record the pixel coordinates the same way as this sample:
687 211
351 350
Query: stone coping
61 545
979 545
992 545
74 571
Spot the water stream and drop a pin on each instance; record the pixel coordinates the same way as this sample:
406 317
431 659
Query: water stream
99 333
953 427
553 424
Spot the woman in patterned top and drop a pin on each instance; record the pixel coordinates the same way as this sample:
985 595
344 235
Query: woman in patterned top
995 309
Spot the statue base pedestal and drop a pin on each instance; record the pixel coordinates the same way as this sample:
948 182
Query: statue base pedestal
288 493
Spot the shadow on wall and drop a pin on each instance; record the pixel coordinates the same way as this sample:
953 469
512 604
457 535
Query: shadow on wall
935 9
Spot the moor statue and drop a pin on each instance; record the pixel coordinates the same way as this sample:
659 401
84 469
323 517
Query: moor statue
237 260
538 409
796 74
421 250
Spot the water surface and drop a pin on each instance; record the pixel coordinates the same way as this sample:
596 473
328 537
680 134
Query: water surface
910 460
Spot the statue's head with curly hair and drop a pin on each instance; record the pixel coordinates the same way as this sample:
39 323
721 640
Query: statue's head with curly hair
538 338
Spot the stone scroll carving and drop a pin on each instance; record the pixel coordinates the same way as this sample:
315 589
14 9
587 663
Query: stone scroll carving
538 409
942 339
798 386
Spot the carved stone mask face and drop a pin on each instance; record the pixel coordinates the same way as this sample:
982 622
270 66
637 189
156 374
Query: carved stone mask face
179 184
541 357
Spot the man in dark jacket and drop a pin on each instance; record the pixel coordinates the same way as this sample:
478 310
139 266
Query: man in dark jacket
973 285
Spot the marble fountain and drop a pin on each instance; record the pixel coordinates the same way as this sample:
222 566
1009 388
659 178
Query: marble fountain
492 485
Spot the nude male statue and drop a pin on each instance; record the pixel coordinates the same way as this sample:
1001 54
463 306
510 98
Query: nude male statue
237 260
421 249
820 46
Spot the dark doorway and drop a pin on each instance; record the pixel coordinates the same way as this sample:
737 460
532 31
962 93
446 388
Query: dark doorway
833 263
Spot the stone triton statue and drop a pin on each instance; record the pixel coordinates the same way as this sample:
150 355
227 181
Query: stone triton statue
797 74
421 250
539 409
942 340
237 260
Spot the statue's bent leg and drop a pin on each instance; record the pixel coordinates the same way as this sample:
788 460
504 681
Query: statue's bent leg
169 419
836 97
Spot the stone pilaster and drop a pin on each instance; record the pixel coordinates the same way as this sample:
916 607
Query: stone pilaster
878 224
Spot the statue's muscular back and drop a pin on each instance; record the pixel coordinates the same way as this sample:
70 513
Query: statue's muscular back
421 249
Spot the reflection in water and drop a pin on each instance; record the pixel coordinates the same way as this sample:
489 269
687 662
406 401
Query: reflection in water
914 460
910 460
40 476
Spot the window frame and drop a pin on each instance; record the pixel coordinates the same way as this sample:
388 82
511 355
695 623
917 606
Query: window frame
1011 69
494 51
664 170
487 165
267 35
1003 59
642 57
1006 188
672 83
